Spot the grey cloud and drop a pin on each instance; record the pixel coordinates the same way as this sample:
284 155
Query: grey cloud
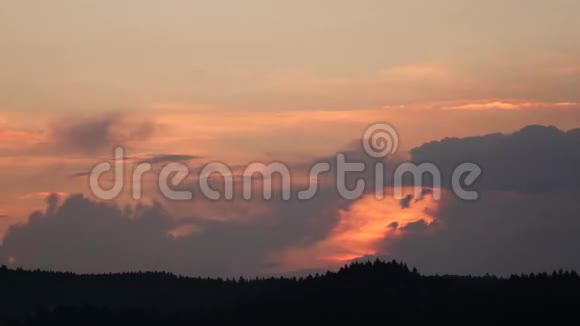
517 225
526 219
99 134
419 226
90 237
533 159
80 174
406 201
85 236
502 233
166 158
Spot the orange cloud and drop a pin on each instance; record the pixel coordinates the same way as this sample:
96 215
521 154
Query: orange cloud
9 136
360 231
499 105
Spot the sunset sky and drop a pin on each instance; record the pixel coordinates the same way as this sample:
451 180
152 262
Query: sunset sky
296 82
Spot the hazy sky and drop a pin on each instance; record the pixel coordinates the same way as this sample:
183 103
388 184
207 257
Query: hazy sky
239 81
86 56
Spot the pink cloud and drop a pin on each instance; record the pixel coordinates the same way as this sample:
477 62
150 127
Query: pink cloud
501 105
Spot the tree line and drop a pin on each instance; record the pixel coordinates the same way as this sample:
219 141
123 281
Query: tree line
387 292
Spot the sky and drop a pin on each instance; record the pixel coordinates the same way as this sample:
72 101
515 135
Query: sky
494 82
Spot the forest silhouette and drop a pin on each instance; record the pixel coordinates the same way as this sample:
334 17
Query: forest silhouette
383 292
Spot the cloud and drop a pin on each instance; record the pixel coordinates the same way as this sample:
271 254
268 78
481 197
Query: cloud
99 134
360 228
533 159
80 174
502 233
524 221
166 158
86 236
418 226
516 105
9 135
199 237
406 201
88 233
526 218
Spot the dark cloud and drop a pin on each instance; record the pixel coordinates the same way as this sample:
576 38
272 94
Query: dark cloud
232 237
80 174
99 134
52 202
85 236
406 201
296 221
167 158
526 218
533 159
502 233
419 226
